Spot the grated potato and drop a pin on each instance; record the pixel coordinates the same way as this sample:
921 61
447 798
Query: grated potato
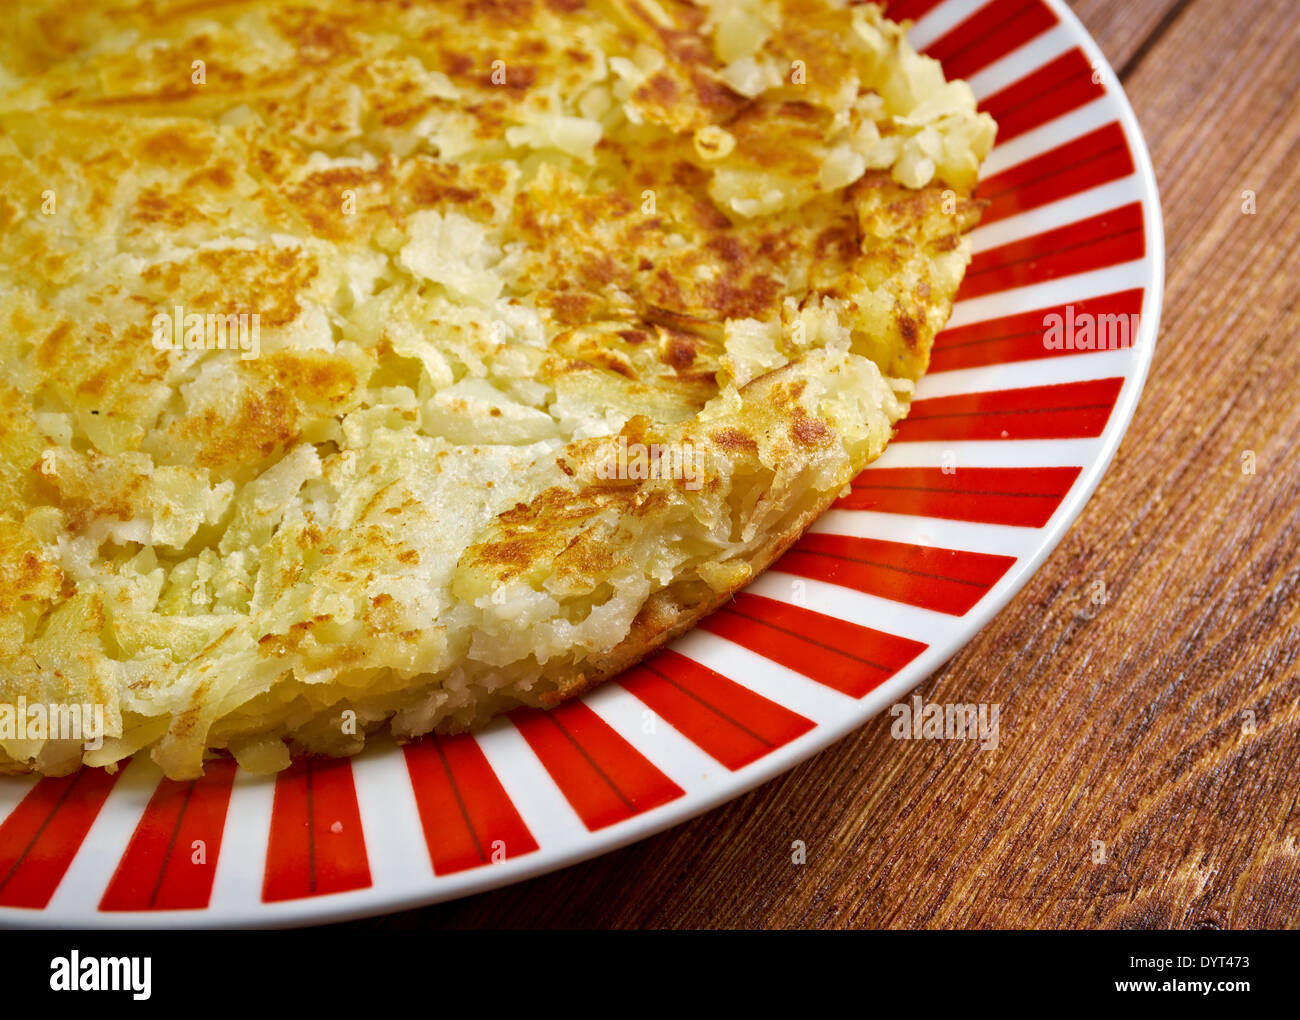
485 255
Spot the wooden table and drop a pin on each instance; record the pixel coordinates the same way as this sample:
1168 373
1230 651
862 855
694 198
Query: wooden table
1165 723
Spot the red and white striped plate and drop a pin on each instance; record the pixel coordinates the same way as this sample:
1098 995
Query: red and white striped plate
1006 441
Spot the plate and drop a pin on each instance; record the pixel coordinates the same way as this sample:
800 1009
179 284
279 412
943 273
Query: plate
1031 387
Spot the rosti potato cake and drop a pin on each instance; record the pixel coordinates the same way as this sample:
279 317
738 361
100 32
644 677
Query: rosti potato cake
390 364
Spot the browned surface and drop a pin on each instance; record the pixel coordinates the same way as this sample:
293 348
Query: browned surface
1124 722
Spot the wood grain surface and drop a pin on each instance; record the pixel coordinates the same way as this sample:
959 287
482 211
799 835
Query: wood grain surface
1164 723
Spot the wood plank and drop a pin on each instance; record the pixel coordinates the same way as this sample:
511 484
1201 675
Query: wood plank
1125 30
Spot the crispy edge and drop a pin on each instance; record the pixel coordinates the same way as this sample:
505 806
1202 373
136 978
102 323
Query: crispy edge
664 618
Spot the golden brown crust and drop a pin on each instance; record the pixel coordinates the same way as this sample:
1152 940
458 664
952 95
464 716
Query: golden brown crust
413 381
664 617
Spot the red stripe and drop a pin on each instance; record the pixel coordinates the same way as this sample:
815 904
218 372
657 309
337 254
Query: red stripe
601 775
316 844
1053 90
911 10
732 724
1076 410
1024 497
159 870
43 834
468 818
989 35
1106 239
844 656
1088 161
1022 337
945 580
1097 242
